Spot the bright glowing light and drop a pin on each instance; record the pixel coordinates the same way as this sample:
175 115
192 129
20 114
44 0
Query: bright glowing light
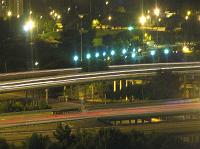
156 11
186 50
104 53
189 13
166 51
159 19
133 55
75 58
139 50
88 56
36 63
124 51
68 9
97 55
142 20
130 28
30 12
148 17
18 16
112 52
29 26
59 16
134 49
186 17
109 18
152 52
9 13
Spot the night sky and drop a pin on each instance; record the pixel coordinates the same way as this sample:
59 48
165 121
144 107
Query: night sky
44 5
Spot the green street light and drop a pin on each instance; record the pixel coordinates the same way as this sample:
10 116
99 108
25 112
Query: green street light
29 25
166 51
104 54
124 51
112 52
153 52
133 55
75 58
88 56
130 28
97 55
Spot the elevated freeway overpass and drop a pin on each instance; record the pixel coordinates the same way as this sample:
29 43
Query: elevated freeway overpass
63 77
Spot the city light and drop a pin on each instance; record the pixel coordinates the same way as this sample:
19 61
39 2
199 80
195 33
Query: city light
156 11
104 54
166 51
153 52
97 55
142 20
124 51
36 63
9 13
107 2
133 55
130 28
186 17
75 58
109 18
186 50
88 56
29 26
189 13
112 52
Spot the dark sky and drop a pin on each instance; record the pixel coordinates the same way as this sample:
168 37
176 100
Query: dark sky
41 5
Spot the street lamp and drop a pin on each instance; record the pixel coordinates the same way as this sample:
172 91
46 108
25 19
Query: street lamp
153 52
112 52
104 54
28 27
88 56
130 28
156 11
166 51
97 55
133 55
9 13
81 16
142 20
124 51
75 58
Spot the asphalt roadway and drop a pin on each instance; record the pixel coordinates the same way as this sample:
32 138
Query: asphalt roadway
47 117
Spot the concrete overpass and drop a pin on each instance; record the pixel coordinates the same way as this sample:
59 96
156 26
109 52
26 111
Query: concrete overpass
56 78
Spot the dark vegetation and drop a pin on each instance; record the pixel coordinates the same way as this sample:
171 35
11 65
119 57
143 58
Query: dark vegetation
105 138
18 106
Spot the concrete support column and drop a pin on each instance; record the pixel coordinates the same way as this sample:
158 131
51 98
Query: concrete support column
47 95
120 85
92 92
26 94
126 90
115 86
64 93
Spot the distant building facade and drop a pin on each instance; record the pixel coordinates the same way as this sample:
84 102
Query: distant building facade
11 8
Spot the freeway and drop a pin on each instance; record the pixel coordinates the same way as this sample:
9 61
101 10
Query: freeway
47 117
114 72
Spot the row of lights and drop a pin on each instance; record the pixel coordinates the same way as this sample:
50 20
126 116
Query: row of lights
124 52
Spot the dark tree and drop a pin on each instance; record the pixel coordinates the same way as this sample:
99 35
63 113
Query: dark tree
36 141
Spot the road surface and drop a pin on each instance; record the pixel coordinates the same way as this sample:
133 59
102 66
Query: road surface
120 72
46 117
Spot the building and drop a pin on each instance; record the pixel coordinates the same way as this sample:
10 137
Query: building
11 8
